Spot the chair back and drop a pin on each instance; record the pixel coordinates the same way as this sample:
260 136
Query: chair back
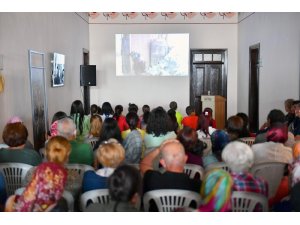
78 168
248 140
94 196
92 141
242 201
219 165
272 172
192 170
14 175
66 195
167 200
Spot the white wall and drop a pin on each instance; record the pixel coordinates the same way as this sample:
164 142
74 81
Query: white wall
65 33
279 38
157 90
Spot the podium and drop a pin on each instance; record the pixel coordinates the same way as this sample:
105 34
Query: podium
217 104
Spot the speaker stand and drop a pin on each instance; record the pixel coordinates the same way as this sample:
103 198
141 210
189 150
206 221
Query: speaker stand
86 99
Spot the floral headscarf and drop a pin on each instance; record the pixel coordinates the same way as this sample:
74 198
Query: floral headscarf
53 129
216 191
45 189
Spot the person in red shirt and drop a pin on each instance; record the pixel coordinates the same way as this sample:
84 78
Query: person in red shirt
207 112
191 120
120 118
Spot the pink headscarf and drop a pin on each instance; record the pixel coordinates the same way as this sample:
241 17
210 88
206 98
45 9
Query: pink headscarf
53 129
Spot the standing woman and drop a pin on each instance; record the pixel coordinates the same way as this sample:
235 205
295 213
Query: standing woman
82 121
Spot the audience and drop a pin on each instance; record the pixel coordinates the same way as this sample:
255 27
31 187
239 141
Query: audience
110 154
158 129
110 129
81 153
192 145
216 191
53 128
219 139
95 127
174 124
235 127
173 105
124 189
203 125
120 118
191 120
106 111
43 193
273 150
172 158
208 114
146 110
82 121
245 118
95 110
133 143
239 157
289 108
14 136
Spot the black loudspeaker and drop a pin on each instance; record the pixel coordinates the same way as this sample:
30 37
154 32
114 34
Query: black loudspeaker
87 75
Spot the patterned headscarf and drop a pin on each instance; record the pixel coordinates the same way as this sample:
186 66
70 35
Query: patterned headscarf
216 191
45 189
53 129
14 119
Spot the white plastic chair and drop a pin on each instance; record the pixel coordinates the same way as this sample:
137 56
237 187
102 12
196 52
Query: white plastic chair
66 195
78 168
14 175
92 141
272 172
192 170
248 140
219 165
94 196
167 200
242 201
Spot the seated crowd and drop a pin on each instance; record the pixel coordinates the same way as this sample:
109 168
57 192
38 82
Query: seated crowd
134 155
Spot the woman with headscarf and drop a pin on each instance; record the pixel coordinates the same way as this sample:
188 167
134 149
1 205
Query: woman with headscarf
43 193
216 191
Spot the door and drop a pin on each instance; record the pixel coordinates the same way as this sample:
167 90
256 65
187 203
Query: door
254 88
38 98
208 75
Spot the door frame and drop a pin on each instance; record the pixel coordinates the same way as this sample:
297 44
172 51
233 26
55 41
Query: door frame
251 48
224 61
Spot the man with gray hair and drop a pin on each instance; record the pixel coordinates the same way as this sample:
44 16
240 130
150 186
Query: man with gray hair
172 158
239 157
81 153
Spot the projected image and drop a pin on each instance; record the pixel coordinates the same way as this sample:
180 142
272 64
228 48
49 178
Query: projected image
152 54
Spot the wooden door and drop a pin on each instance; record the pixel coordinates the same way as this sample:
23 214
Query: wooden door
208 75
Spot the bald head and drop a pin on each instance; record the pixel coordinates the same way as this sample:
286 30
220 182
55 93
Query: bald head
173 155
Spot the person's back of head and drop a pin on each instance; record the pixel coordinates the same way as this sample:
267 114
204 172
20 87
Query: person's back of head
94 109
110 129
173 105
77 112
58 115
190 110
146 108
133 108
216 191
188 137
278 134
118 111
15 135
66 128
203 123
110 153
96 125
208 112
245 118
58 150
124 184
132 120
238 156
234 127
288 105
106 109
173 156
276 117
219 139
158 122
